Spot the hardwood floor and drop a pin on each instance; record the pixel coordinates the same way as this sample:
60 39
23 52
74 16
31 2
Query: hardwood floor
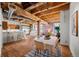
19 48
65 51
22 47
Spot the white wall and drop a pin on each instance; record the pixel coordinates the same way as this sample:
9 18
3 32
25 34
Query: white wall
0 30
74 41
64 27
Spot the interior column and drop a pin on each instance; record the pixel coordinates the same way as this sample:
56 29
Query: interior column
30 28
38 28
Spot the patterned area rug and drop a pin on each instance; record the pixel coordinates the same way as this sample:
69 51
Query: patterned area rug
44 53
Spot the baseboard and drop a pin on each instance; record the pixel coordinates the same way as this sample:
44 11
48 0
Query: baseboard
64 44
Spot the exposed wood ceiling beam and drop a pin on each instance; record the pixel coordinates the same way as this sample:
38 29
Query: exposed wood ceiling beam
50 8
28 22
46 5
55 21
65 7
49 13
34 6
20 12
50 16
43 15
24 13
52 19
25 24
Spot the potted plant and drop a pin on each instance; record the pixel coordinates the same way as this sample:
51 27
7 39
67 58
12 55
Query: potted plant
47 36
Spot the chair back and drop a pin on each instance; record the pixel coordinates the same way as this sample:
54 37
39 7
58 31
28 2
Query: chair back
39 46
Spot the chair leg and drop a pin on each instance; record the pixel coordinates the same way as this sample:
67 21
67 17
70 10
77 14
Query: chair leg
36 52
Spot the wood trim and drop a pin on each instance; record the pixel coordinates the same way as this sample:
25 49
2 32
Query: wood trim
76 23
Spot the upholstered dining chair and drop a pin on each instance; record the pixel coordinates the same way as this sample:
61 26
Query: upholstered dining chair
39 46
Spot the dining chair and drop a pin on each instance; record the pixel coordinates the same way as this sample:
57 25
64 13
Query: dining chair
39 46
48 48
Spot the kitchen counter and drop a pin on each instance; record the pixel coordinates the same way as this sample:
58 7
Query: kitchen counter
12 35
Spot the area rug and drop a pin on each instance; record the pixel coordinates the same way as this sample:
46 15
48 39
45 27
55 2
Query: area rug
44 54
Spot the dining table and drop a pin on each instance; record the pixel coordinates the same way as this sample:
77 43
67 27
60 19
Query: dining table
52 41
48 44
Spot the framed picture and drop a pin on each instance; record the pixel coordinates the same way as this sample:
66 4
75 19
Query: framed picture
75 24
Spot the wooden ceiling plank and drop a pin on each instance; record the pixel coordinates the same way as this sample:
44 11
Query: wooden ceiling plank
49 13
51 16
51 20
34 6
65 7
50 8
45 6
24 13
